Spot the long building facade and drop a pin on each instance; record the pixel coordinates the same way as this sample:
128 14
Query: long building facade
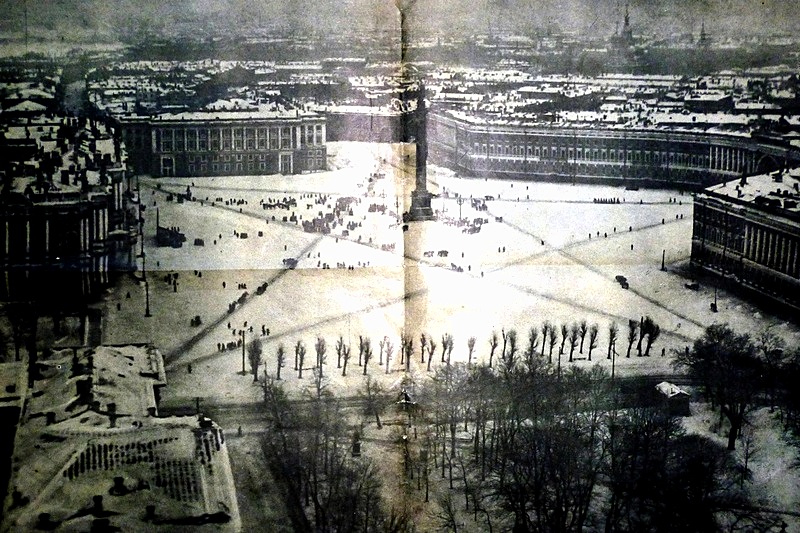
480 147
226 143
748 232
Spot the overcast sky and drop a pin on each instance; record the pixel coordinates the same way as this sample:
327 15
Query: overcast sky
662 17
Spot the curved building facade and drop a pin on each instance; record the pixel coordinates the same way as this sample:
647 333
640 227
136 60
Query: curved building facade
649 157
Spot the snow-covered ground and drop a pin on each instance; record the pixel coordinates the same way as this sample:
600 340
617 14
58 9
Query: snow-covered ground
550 270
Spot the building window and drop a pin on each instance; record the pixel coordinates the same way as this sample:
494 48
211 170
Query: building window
249 166
191 169
239 166
262 166
215 167
227 167
286 138
238 157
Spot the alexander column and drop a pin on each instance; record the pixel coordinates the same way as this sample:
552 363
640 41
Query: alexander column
414 121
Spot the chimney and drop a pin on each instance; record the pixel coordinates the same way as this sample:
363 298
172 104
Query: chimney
112 414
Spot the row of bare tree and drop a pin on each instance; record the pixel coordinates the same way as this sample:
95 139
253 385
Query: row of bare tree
547 336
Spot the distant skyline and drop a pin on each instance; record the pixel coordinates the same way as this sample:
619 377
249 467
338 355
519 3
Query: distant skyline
659 18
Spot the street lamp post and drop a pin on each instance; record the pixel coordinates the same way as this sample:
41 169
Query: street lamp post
146 289
460 201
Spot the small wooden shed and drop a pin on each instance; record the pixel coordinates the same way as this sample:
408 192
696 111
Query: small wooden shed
674 399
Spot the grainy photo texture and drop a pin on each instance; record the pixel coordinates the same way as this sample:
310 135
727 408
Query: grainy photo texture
400 266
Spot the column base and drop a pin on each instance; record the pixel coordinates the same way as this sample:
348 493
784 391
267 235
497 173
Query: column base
420 207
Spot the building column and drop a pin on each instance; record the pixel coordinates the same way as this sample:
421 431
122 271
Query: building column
747 236
787 255
771 250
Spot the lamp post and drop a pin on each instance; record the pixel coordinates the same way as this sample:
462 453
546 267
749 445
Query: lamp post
146 289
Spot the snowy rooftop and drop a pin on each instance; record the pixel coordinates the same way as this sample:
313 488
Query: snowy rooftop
778 190
120 452
179 464
670 390
121 375
261 113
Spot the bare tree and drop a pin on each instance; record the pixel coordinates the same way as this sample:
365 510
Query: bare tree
772 350
255 351
300 355
613 333
533 345
450 345
641 337
510 357
280 360
345 359
470 349
728 366
583 330
551 343
446 340
574 334
367 353
504 335
423 343
633 334
389 347
594 330
447 515
402 351
564 336
493 341
320 349
652 330
431 350
546 329
360 349
381 346
409 351
339 351
372 395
